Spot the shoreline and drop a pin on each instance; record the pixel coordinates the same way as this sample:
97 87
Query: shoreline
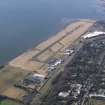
41 47
5 62
36 61
9 58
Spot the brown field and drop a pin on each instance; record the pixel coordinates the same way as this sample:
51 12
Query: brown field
45 55
14 93
43 70
32 66
56 47
8 77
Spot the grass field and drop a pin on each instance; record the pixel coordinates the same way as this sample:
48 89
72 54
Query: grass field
8 102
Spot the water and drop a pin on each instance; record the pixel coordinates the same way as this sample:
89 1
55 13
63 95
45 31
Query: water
24 23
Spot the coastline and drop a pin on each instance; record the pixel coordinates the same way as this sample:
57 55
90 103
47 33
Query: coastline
35 61
60 37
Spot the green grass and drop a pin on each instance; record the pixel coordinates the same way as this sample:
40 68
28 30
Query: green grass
8 102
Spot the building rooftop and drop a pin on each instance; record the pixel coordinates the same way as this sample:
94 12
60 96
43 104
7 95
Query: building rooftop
93 34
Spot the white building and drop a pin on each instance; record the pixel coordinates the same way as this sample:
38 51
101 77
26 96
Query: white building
93 34
35 77
97 95
69 51
64 94
53 64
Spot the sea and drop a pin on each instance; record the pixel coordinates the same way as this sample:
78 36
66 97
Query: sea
25 23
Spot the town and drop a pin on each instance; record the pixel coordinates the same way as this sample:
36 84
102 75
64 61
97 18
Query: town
84 78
